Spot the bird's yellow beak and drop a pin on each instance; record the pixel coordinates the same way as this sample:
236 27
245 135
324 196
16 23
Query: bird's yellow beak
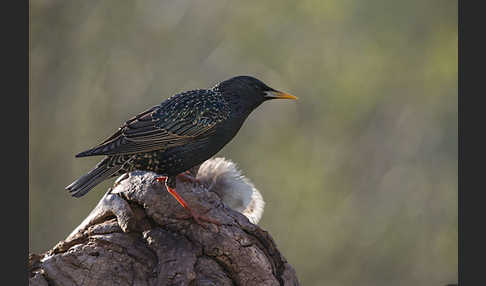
274 94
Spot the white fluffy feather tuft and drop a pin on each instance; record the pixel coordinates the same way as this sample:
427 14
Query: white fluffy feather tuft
237 192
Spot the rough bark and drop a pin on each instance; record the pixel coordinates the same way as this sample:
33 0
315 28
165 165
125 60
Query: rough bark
139 235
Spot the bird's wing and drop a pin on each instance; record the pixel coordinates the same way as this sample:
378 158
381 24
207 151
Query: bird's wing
179 120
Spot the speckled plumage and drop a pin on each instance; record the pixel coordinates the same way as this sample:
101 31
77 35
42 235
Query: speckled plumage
183 131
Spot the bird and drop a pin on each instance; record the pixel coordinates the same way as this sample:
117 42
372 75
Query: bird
183 131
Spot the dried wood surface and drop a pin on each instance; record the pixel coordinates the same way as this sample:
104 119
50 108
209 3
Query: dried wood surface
139 235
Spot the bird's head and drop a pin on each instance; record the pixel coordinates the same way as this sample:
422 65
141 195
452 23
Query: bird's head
248 92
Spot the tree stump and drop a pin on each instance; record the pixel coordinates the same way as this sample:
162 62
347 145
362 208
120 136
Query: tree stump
139 235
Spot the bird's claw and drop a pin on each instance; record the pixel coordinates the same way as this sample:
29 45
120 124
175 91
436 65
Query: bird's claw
199 218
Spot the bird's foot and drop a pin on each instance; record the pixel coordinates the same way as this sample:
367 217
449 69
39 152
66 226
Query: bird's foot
172 191
199 218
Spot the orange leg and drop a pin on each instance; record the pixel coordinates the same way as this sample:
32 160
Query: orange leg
173 192
183 203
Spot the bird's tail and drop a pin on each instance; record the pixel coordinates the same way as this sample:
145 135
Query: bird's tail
84 184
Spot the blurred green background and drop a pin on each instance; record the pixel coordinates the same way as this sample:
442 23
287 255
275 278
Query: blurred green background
359 176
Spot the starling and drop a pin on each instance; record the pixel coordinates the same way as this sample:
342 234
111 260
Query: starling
183 131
